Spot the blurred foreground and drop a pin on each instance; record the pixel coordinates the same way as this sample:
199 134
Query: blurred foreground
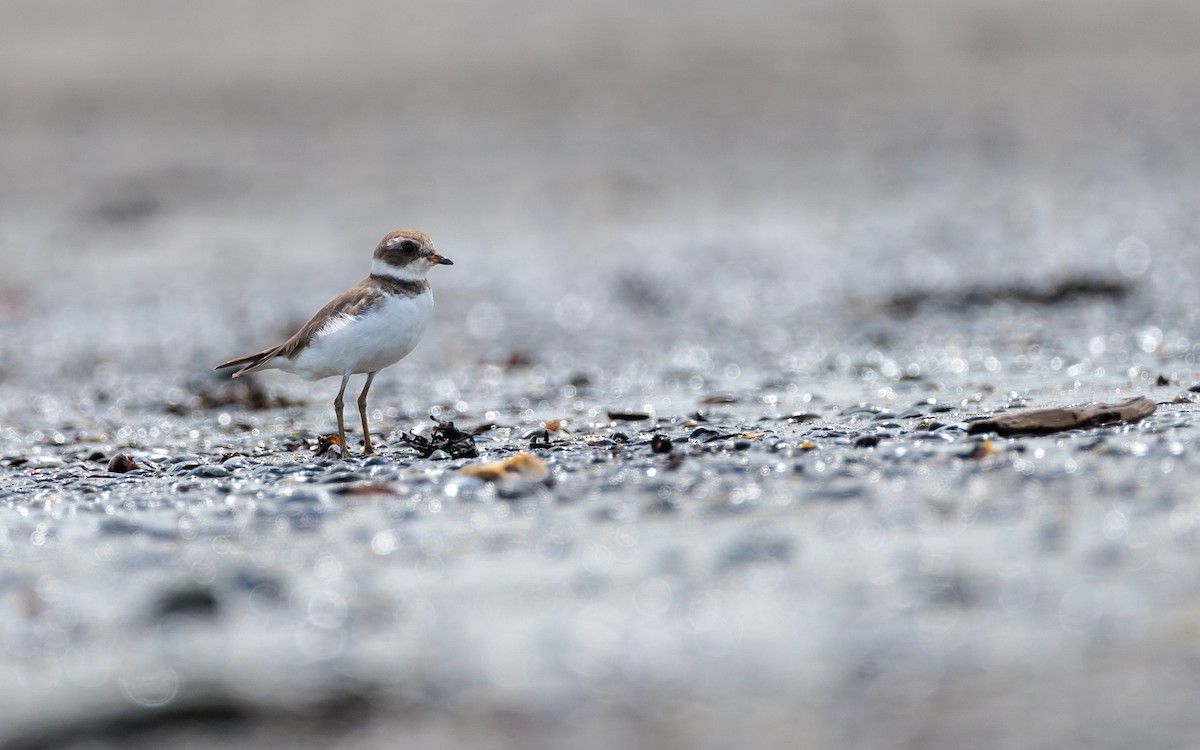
807 241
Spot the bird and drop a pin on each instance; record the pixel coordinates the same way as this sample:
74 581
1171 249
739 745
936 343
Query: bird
372 325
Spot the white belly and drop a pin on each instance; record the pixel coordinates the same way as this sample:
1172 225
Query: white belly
370 342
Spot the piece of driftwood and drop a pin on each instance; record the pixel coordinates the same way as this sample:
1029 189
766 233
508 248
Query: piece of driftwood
1046 421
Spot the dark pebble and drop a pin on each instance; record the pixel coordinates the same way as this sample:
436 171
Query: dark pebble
838 493
951 428
123 462
184 458
802 416
1065 418
195 601
867 441
119 527
829 433
861 409
933 435
661 444
703 435
628 416
1195 388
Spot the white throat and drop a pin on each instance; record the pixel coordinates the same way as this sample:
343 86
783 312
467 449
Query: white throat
408 273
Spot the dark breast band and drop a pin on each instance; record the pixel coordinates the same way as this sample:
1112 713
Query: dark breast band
393 285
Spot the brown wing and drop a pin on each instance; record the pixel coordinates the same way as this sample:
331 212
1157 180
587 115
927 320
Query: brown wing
354 302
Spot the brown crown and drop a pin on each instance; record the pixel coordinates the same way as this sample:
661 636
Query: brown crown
403 246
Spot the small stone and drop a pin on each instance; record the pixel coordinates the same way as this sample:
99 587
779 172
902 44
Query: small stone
628 416
210 471
123 462
660 443
439 455
199 601
802 416
867 441
1058 419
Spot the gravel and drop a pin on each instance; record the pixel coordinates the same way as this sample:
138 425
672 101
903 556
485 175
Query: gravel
740 283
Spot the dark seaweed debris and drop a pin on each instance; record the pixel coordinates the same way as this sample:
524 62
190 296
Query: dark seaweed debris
1064 291
444 437
628 416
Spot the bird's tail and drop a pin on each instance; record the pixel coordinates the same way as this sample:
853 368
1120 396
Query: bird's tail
251 362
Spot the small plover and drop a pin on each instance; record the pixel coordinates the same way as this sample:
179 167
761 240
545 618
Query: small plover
373 325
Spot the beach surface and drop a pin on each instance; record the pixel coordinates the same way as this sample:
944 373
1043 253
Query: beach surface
740 282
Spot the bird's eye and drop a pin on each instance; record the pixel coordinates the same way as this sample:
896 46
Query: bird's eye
409 246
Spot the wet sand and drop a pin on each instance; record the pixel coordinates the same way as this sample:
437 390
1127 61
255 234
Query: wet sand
810 242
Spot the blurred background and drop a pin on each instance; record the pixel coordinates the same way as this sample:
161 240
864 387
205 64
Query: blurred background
968 204
180 183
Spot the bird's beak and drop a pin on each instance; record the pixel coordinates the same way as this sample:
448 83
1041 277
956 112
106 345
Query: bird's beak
441 260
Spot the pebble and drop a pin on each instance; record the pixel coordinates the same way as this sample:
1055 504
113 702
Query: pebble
122 462
661 444
192 601
210 471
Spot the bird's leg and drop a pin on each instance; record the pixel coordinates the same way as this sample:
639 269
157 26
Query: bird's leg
337 407
368 449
